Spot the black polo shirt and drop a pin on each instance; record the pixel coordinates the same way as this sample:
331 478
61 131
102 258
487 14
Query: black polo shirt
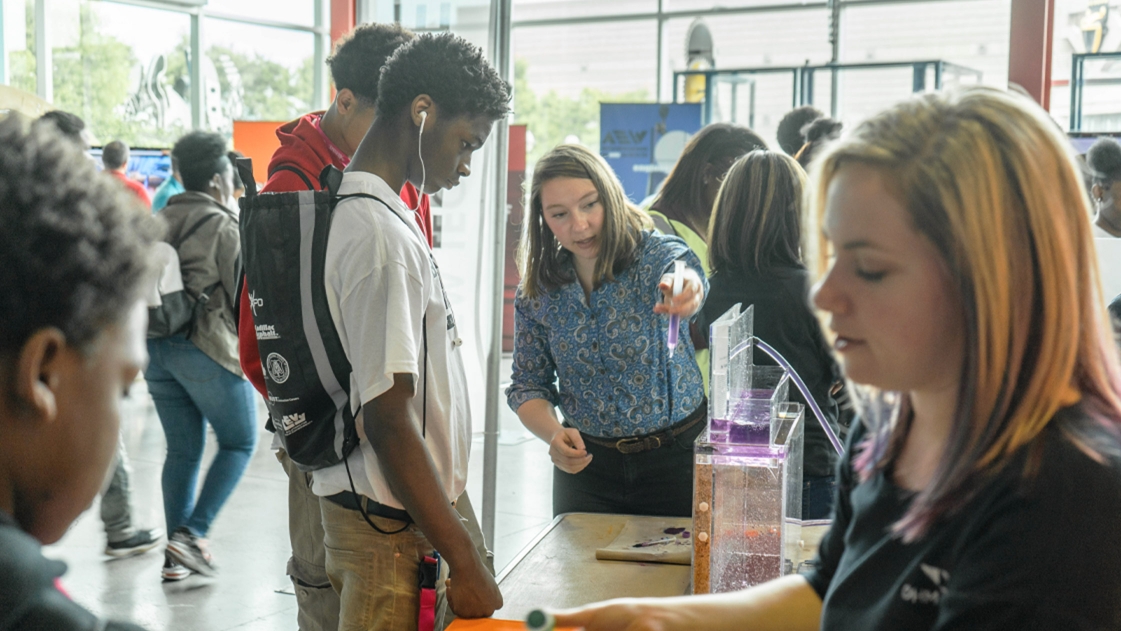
29 600
1040 553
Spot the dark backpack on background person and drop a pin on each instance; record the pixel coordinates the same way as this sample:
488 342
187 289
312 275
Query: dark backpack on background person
307 372
171 306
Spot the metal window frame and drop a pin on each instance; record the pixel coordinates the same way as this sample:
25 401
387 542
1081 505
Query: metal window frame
321 31
3 49
836 7
1078 83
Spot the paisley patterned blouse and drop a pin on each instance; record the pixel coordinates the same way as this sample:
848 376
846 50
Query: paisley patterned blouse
606 363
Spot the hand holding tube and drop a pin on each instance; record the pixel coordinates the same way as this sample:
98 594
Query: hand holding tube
686 303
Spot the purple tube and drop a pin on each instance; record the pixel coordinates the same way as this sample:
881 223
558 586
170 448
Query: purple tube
674 320
671 333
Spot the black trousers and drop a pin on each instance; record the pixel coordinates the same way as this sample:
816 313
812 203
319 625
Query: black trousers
657 482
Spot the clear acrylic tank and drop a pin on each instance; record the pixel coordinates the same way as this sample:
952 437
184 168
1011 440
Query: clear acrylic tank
747 498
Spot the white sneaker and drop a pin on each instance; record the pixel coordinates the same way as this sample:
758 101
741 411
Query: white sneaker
172 571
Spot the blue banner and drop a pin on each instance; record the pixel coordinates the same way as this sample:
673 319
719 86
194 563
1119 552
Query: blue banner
642 141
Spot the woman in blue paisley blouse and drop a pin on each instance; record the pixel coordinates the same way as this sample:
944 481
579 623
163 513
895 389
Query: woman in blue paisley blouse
590 337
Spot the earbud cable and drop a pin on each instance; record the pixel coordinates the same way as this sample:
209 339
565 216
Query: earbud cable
423 172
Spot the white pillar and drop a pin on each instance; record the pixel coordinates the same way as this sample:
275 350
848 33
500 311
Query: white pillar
44 64
198 87
321 90
500 58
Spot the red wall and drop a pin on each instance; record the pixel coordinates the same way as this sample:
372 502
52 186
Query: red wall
515 183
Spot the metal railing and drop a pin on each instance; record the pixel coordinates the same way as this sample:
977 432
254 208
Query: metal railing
802 78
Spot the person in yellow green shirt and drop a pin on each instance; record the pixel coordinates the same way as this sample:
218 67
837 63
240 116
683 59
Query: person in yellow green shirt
684 204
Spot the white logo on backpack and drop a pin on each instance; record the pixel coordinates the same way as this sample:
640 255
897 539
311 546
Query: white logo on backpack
255 302
292 422
277 367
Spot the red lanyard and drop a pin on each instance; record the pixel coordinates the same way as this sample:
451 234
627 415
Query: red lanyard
429 574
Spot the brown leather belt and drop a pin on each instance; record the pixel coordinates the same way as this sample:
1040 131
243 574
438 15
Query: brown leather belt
639 444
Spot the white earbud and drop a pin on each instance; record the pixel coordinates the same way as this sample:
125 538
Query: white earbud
423 171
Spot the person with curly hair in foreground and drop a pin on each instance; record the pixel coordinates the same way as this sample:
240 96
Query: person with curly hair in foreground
73 259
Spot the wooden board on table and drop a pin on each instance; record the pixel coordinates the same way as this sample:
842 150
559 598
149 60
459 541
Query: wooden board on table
559 569
647 541
491 624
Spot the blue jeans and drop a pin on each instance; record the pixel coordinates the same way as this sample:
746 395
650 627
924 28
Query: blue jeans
189 390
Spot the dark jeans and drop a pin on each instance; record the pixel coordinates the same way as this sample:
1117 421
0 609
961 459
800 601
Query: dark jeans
657 482
817 497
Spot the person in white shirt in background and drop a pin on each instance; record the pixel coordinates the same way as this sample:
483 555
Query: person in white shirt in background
391 503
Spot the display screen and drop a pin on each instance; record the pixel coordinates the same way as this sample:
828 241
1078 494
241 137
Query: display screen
150 167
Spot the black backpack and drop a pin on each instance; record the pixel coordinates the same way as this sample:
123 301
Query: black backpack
171 306
307 373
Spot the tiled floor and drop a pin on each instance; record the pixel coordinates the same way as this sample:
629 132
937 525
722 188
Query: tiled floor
250 537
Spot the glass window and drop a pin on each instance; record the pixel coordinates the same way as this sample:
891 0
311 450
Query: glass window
698 5
118 77
751 40
1083 26
467 18
19 41
559 9
256 73
970 33
563 72
291 11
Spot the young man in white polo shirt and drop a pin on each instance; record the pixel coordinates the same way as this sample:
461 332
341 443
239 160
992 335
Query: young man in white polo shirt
438 99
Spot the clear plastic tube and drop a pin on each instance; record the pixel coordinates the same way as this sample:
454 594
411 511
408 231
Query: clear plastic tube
801 385
675 320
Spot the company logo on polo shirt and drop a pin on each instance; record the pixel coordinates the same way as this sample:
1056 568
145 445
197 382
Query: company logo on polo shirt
277 367
924 595
255 302
292 422
266 332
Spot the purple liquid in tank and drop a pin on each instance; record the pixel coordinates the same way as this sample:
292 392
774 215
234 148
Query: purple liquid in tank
750 422
749 433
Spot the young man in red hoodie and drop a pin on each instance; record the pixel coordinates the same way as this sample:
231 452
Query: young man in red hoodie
308 145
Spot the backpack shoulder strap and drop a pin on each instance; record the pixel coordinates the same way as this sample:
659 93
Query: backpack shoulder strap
662 224
190 231
335 199
303 176
339 198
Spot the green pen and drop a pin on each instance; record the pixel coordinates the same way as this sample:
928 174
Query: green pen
540 620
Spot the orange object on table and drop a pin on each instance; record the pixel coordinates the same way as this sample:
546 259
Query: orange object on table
490 624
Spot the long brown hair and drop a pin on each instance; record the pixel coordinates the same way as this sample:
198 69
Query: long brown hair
542 262
709 154
756 221
989 179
